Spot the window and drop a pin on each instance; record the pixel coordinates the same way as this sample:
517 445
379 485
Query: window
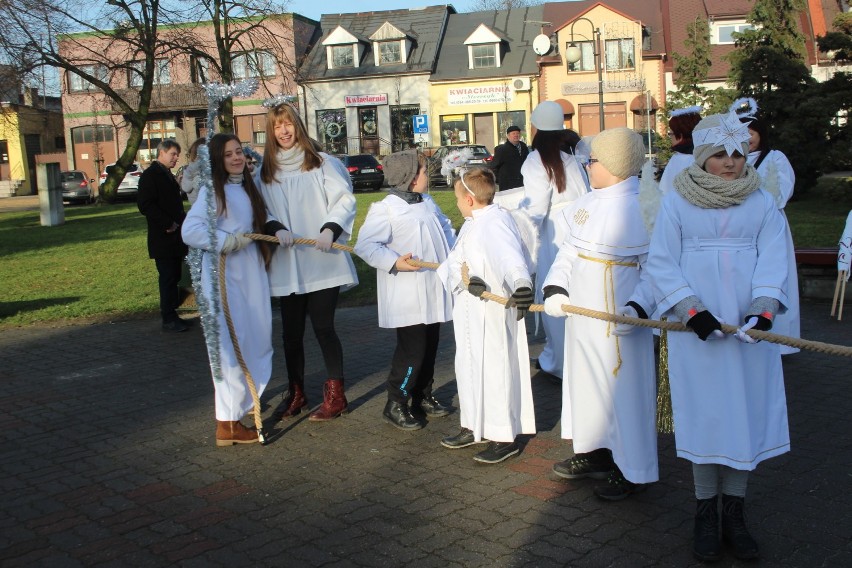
723 32
483 56
253 64
587 57
200 70
511 118
390 52
77 84
454 129
619 54
89 134
154 133
137 70
402 126
4 151
331 130
342 56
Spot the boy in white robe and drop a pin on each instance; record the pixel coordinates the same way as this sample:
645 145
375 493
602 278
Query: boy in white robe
409 224
719 254
492 358
609 399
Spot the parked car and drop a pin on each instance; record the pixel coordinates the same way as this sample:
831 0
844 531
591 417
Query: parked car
129 186
481 157
76 187
365 170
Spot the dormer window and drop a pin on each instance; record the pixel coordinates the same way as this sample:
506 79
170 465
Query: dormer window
390 52
343 48
343 56
390 45
483 48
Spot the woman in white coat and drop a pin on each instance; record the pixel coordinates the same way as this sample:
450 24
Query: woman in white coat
310 194
239 209
552 181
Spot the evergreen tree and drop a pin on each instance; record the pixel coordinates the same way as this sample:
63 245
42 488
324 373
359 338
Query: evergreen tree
691 70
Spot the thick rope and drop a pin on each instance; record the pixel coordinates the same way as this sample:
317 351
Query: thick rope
258 420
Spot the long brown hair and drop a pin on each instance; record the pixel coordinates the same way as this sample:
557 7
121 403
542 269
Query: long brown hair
549 143
276 115
216 148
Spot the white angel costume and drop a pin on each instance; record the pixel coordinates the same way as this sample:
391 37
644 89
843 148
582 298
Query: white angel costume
609 394
492 358
543 203
248 299
677 163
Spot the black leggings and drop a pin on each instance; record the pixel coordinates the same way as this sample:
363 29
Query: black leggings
320 305
413 366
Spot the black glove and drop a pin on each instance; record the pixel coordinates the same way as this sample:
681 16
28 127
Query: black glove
476 286
703 324
521 299
763 323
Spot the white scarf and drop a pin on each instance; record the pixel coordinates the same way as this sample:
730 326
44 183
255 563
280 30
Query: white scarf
290 160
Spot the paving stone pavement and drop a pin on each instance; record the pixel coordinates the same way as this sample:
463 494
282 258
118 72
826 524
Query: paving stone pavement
109 459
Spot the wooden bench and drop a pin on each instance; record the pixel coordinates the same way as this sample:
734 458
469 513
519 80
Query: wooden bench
817 269
817 256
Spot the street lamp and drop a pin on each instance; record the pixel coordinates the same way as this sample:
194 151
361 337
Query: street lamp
573 55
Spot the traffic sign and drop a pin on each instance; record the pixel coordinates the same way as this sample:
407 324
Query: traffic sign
421 124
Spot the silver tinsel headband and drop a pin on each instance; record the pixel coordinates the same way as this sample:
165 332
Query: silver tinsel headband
280 99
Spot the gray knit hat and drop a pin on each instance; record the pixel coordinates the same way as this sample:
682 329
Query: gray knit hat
620 150
719 132
401 168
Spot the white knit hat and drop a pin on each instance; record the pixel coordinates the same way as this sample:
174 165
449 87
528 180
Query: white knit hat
620 150
548 116
719 132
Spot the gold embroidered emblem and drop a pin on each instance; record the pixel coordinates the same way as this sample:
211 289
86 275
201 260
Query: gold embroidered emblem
581 216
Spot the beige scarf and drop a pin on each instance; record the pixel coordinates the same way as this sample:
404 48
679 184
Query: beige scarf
709 191
290 160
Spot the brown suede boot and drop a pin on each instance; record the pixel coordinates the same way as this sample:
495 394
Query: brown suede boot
296 401
230 432
333 401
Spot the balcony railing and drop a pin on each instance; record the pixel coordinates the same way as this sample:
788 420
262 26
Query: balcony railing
168 98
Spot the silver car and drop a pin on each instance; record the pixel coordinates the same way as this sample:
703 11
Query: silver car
129 186
76 187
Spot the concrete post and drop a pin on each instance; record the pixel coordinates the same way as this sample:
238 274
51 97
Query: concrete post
50 194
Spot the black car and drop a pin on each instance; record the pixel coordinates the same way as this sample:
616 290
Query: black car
76 187
365 171
480 157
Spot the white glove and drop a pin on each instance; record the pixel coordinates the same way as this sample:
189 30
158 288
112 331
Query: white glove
324 240
234 243
741 331
285 238
553 305
717 333
622 329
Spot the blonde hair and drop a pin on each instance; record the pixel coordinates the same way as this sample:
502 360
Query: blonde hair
479 183
192 153
276 115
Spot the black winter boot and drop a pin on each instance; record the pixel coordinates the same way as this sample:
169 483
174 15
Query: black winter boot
706 546
734 530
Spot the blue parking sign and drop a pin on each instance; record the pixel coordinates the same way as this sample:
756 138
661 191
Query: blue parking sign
421 124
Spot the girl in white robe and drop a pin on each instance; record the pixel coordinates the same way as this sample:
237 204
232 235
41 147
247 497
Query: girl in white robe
492 358
552 181
681 123
239 210
718 254
609 395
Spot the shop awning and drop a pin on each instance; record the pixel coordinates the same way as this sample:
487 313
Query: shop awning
567 107
640 102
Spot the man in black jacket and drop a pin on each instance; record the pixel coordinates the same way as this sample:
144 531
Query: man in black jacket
160 201
508 159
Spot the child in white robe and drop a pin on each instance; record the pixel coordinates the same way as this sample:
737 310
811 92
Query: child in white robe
609 399
240 209
408 224
492 358
719 254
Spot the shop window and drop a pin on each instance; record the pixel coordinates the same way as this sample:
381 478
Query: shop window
454 129
512 118
402 126
331 130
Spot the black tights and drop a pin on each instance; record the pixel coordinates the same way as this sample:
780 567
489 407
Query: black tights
320 305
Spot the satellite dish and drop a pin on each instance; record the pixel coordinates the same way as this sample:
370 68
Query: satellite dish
541 44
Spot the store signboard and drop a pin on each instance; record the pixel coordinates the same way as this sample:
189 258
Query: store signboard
365 100
494 94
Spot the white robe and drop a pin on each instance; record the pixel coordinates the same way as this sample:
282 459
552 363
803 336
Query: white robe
248 300
727 396
677 163
609 395
304 202
394 228
492 359
543 203
776 165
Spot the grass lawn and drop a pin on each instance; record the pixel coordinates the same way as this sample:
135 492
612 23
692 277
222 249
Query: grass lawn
96 265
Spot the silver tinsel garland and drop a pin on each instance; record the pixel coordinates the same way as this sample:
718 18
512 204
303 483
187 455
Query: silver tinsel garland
209 307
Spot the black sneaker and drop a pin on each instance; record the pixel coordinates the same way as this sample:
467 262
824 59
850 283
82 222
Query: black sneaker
583 465
497 452
398 415
461 440
617 487
175 326
429 406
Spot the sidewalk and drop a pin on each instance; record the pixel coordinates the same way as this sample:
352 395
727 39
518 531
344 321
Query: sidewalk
109 459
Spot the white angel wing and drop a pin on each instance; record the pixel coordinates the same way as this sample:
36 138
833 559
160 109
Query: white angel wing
649 196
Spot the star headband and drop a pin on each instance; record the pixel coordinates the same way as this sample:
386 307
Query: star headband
730 133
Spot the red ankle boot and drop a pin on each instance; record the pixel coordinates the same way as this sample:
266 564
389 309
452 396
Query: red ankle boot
333 401
297 401
230 432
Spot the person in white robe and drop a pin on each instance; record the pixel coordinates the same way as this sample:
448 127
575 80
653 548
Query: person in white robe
779 179
492 358
718 254
240 210
681 123
552 181
404 225
609 395
311 194
844 248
